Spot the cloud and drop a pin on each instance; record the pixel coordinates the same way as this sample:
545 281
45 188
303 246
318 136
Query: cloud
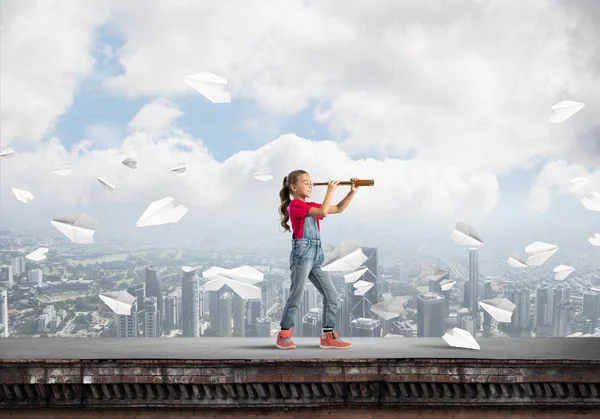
225 194
555 179
45 55
155 117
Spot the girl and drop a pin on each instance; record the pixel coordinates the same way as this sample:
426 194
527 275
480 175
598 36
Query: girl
307 254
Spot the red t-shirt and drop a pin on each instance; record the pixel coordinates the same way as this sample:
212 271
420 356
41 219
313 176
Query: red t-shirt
298 210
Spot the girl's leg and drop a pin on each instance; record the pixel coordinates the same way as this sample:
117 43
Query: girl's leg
323 283
299 272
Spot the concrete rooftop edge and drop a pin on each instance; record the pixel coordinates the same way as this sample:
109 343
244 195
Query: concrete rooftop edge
279 379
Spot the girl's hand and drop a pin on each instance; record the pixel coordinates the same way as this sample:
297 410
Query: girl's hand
353 187
332 185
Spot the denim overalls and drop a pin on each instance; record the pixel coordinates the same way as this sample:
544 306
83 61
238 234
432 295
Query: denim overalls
306 258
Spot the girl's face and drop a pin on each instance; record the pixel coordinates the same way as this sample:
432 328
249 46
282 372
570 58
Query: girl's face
303 187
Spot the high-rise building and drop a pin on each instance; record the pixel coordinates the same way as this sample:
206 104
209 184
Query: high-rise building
474 286
18 265
4 311
263 327
520 316
225 314
190 303
430 315
311 323
35 277
365 327
563 318
487 294
6 275
254 311
543 305
342 318
171 309
154 289
238 316
127 325
151 318
591 307
139 292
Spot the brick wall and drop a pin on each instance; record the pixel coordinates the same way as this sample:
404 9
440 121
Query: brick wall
397 413
277 384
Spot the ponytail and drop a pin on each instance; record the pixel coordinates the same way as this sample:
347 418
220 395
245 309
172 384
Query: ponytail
284 196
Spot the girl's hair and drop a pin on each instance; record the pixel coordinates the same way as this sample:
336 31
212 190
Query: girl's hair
284 195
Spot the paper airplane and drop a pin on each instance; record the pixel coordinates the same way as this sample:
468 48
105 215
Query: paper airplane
353 276
209 85
578 183
447 284
362 287
106 185
595 239
516 262
132 164
38 254
263 175
389 308
393 335
78 228
188 269
180 168
500 309
22 195
241 280
458 338
564 110
562 271
120 302
539 253
62 171
465 235
346 257
7 152
592 202
432 273
161 212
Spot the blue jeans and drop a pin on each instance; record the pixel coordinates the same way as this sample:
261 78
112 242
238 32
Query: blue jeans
305 262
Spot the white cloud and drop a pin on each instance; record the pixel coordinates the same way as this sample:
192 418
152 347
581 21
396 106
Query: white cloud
45 55
155 117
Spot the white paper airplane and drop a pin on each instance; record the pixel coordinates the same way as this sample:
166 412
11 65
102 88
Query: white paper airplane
161 212
23 195
500 309
241 280
361 287
458 338
447 284
180 168
515 261
129 162
353 276
592 202
595 239
539 253
564 110
188 269
263 175
62 171
7 152
209 85
578 183
432 273
393 336
120 302
346 257
465 235
38 254
389 308
106 185
562 271
78 228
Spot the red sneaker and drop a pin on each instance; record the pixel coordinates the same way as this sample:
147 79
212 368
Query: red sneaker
331 340
284 340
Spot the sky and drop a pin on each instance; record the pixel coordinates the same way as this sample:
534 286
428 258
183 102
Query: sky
446 107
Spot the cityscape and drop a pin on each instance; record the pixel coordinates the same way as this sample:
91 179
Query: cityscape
72 293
